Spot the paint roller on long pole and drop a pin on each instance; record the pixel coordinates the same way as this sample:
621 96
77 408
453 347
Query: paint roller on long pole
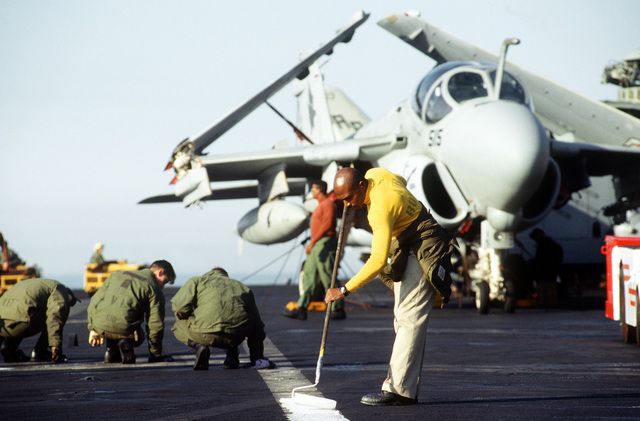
316 401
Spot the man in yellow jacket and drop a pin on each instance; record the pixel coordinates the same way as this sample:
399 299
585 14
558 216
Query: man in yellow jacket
421 251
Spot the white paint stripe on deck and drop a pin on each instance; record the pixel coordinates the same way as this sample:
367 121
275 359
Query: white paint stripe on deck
283 379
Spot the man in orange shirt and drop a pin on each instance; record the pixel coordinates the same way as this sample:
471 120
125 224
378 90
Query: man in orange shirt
321 252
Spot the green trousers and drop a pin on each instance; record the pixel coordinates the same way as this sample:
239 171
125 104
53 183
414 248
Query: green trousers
222 340
15 331
318 269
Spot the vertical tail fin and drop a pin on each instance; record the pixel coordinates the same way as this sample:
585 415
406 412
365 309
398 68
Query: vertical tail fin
346 117
313 112
325 114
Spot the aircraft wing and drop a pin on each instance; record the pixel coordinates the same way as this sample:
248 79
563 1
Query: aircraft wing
599 160
208 136
567 114
243 173
271 173
251 165
248 190
304 161
245 190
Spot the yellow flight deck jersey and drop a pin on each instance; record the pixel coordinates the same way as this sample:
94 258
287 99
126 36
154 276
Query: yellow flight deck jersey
391 209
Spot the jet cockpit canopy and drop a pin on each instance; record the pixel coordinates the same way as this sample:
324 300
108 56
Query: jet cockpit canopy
454 83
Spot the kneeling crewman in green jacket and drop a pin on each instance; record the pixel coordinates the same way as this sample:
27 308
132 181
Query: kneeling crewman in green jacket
30 307
214 310
119 307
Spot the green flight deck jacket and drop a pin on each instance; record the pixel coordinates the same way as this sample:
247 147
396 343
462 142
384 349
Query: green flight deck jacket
124 301
43 303
214 303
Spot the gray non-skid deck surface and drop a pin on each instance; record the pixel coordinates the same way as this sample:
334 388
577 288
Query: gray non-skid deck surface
563 363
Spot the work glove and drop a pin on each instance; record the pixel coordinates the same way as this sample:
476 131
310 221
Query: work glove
261 364
160 359
57 356
95 339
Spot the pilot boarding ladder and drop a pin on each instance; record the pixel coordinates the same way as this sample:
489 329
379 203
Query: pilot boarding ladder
623 274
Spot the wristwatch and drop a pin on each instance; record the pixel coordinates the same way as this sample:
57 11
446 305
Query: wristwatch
344 291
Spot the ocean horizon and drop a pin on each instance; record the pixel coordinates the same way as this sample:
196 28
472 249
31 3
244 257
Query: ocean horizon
76 282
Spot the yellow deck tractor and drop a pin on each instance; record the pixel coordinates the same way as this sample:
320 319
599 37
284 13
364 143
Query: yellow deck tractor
96 273
15 275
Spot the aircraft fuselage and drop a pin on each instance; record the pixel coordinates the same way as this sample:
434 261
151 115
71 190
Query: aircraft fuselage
485 157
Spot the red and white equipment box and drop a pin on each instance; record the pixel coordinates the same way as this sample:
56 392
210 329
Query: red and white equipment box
623 276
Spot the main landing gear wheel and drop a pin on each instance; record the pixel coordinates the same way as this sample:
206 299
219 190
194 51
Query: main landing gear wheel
482 297
628 333
509 296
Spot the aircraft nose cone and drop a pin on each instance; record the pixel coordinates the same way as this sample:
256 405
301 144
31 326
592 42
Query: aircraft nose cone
500 150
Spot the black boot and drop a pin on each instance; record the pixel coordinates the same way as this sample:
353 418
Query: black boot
126 350
299 313
232 361
11 353
41 355
202 357
387 398
338 314
113 352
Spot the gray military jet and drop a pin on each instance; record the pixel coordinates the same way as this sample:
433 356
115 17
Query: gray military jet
487 146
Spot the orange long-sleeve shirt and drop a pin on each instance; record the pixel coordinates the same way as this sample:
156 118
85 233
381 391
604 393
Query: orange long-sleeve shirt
391 209
323 220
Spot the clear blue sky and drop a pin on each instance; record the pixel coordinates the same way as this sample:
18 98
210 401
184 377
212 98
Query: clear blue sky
95 96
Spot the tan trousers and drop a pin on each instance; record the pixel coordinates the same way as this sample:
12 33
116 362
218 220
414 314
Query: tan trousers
414 297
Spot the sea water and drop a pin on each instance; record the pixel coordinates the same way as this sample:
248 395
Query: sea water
76 282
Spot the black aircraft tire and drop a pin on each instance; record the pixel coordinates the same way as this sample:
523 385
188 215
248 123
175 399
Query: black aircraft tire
482 298
628 333
510 296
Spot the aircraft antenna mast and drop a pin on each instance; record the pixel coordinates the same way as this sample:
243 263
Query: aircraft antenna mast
501 62
298 132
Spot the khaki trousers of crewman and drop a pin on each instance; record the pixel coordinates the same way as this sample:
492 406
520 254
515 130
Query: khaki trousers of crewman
414 297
